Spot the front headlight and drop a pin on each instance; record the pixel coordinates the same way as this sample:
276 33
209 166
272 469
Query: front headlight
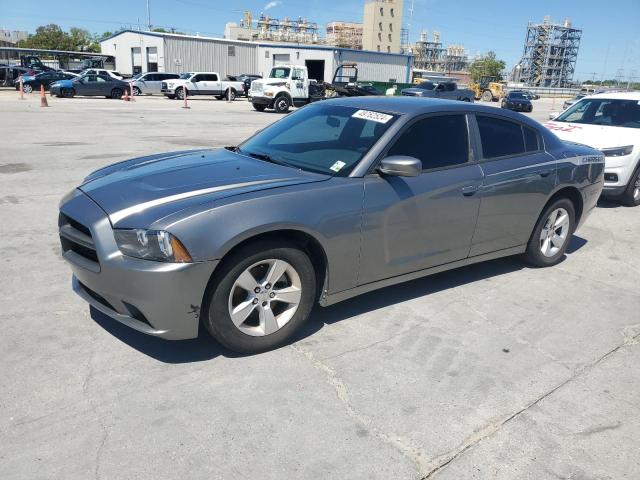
170 85
618 151
156 245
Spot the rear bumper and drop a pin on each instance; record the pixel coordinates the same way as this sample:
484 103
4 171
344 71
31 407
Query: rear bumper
160 299
613 191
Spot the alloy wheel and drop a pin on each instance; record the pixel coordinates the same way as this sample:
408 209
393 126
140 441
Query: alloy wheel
265 297
555 232
27 88
636 189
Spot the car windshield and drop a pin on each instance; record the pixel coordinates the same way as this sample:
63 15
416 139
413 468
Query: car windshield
427 85
136 77
321 138
603 111
279 72
186 76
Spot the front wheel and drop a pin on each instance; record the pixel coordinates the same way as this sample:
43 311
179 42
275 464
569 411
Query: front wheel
137 91
259 107
180 93
551 235
486 96
26 88
260 298
281 104
67 92
631 195
116 93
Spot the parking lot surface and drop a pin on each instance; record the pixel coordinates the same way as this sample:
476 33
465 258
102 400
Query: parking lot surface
491 371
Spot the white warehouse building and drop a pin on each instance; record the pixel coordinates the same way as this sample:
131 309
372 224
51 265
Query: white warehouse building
136 52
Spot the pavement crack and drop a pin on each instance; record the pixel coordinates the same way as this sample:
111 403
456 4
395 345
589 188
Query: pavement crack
400 444
440 462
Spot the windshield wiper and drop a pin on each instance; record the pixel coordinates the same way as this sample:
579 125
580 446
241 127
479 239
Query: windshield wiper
267 158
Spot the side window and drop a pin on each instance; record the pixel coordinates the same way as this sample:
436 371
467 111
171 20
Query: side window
171 76
500 137
298 74
212 77
451 87
531 143
440 141
197 78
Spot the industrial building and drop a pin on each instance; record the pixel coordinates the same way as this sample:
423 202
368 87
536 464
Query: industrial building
12 36
137 51
550 54
344 34
267 28
382 25
433 56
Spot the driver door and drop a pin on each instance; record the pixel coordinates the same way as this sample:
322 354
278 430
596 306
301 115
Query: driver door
414 223
88 85
299 84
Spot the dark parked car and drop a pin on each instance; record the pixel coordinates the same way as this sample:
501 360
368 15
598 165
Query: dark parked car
443 90
517 101
339 198
528 94
45 79
246 79
90 86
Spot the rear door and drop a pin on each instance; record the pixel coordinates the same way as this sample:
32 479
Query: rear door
414 223
214 85
519 177
153 82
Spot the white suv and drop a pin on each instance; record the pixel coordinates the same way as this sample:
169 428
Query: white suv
609 122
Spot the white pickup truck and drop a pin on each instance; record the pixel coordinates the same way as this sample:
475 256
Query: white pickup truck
201 83
286 86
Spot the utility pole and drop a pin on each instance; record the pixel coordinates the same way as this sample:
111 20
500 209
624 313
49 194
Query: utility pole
148 16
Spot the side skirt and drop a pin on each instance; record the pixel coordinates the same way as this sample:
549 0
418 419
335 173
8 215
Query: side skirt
327 300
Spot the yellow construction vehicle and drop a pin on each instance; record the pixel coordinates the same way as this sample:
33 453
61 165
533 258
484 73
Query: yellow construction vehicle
488 89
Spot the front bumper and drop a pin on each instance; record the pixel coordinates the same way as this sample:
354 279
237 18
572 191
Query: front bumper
261 100
160 299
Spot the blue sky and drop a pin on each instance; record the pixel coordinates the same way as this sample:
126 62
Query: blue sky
610 42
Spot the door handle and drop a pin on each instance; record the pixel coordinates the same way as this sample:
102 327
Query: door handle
469 190
544 173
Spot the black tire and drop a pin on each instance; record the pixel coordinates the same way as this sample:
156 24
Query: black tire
116 93
530 109
219 97
171 97
180 93
216 317
137 91
631 195
67 93
259 107
281 104
533 254
26 88
230 95
486 96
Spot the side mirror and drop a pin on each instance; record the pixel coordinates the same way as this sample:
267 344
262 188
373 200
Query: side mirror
553 115
400 166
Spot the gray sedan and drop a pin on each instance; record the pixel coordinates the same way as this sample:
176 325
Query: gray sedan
337 199
90 85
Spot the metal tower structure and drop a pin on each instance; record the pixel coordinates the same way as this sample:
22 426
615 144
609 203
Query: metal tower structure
550 54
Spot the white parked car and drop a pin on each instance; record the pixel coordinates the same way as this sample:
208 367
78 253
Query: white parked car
150 82
102 71
202 83
609 122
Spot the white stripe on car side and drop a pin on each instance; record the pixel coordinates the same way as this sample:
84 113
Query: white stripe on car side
125 212
577 160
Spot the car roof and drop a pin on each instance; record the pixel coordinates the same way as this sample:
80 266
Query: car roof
618 95
416 106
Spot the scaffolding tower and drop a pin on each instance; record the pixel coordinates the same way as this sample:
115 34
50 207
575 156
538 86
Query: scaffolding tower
550 54
287 30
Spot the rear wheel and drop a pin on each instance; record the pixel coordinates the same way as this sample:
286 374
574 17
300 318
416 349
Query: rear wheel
259 107
551 234
230 95
262 295
631 195
487 96
116 93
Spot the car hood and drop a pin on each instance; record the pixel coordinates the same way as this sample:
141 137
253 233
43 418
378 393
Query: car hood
595 136
62 83
415 90
138 192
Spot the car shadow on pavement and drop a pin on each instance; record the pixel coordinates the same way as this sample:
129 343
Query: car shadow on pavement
609 203
205 348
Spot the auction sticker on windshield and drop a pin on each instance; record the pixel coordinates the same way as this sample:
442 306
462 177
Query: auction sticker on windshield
336 167
373 116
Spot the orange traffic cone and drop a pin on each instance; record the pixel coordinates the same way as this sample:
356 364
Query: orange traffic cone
43 97
21 89
125 97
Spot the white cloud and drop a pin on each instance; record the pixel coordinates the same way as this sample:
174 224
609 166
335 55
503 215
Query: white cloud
272 4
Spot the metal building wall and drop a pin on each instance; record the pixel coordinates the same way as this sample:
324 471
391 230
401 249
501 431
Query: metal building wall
195 54
378 67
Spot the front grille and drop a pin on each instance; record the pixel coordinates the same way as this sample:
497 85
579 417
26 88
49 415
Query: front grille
163 86
76 237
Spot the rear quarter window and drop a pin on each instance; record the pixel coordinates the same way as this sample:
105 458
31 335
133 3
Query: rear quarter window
500 138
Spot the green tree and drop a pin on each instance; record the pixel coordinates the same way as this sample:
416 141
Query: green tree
486 65
52 37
